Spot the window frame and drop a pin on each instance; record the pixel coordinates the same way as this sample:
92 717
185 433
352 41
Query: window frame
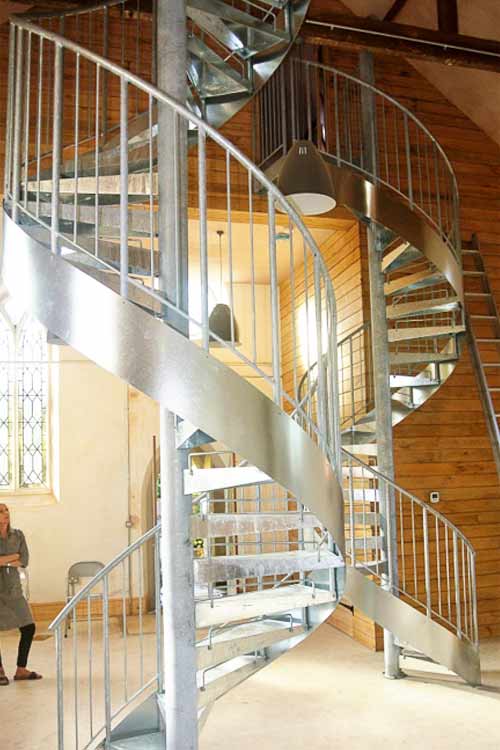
15 449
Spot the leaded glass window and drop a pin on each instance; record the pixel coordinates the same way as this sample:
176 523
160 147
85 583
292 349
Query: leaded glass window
23 402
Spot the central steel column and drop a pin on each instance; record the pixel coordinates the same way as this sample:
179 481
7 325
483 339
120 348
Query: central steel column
381 367
179 641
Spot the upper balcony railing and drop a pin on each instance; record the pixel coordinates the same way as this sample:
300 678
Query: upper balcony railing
305 100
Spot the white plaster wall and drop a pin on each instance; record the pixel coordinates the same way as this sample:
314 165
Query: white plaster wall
86 520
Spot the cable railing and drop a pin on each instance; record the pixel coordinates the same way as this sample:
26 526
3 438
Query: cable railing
436 562
393 149
96 220
98 619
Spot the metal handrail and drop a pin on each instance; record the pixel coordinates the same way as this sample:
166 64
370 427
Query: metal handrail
325 97
85 590
275 198
351 335
452 597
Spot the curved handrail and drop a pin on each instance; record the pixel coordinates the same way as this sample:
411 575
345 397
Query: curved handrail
104 573
324 108
324 293
442 583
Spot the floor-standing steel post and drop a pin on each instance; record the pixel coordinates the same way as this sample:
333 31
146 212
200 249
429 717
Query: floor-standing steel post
179 647
381 366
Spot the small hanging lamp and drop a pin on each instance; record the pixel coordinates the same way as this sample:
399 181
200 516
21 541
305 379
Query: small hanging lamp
221 321
305 181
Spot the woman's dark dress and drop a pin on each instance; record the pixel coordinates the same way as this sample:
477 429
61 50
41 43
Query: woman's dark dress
14 609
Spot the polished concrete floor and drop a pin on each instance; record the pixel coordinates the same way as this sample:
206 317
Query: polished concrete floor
328 692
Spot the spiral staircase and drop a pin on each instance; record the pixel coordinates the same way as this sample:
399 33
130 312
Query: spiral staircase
286 497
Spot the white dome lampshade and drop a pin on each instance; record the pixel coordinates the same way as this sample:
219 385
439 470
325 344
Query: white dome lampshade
305 181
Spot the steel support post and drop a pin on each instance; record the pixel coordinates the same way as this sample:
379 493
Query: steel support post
176 553
381 369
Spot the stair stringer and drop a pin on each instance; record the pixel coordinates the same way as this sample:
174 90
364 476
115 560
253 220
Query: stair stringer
381 205
411 626
139 348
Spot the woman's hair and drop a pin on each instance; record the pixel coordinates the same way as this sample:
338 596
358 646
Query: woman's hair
3 505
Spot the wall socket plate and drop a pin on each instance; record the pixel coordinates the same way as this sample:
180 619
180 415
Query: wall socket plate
434 497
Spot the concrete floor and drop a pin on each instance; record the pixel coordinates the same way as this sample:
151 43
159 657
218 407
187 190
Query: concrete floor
328 692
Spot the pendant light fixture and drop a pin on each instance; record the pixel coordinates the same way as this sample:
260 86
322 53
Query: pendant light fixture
221 321
305 180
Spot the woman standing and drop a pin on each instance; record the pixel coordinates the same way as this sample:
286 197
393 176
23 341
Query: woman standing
14 609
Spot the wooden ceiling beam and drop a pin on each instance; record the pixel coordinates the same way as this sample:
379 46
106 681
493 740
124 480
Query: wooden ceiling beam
394 10
447 16
327 29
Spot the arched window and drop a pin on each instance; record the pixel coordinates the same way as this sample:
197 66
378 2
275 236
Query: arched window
24 407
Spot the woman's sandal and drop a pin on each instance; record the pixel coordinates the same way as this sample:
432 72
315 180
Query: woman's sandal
29 676
4 680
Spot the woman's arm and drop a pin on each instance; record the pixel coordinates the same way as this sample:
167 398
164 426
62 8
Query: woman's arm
24 555
7 559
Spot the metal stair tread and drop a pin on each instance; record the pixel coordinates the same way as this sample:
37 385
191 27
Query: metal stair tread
240 639
228 567
224 524
437 304
412 281
257 603
150 741
394 254
425 332
400 358
206 480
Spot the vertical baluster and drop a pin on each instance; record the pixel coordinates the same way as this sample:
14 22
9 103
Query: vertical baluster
153 187
27 102
159 654
438 189
474 597
75 152
338 147
414 548
469 594
60 687
124 632
273 280
56 146
409 173
308 101
308 344
105 74
39 122
10 108
458 616
321 391
107 658
402 533
16 157
230 245
293 99
352 517
140 575
252 267
438 566
293 311
427 567
96 161
202 198
124 261
464 587
448 580
75 677
90 658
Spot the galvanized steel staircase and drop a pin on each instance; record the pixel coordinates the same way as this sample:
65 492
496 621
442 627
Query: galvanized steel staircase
87 238
81 248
